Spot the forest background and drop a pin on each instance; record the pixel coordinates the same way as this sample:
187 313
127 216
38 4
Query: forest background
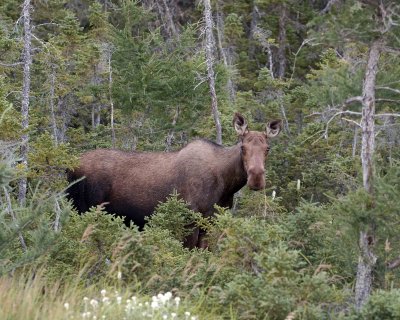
320 242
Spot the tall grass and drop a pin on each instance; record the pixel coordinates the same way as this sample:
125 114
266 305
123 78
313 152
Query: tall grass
31 296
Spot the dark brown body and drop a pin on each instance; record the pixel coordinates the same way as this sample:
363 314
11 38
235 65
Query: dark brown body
133 184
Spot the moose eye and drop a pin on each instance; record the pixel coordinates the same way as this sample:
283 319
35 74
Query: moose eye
268 148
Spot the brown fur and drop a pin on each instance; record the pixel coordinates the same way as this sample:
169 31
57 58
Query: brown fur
203 173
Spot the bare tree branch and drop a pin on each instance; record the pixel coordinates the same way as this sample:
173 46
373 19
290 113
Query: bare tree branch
305 41
11 64
329 5
394 263
387 115
352 121
389 89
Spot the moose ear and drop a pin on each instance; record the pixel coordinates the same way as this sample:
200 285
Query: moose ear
240 124
273 128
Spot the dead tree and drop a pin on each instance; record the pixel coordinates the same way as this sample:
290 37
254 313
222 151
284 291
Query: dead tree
209 45
26 85
282 41
223 51
367 258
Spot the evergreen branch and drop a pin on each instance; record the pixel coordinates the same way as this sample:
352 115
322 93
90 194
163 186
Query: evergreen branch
14 218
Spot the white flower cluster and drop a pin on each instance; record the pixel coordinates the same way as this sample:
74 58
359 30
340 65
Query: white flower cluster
162 306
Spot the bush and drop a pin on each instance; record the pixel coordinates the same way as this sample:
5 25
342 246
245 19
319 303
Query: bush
381 305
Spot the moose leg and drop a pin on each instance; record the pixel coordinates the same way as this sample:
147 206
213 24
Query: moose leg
192 239
202 242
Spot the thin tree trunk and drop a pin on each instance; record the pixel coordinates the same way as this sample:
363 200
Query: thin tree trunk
210 68
255 17
110 81
170 22
220 36
27 61
95 115
270 61
367 258
57 209
355 141
63 117
282 41
52 112
170 135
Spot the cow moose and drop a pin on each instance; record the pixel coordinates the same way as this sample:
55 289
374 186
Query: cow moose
131 184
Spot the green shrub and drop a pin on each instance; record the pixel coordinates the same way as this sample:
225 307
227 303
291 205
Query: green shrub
382 305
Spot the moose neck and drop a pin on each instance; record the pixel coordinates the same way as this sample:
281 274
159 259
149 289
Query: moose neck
231 166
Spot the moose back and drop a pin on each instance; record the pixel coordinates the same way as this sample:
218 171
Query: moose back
132 184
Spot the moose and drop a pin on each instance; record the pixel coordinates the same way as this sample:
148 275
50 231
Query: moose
132 184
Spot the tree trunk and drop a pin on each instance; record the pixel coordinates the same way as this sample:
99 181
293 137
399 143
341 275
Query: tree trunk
170 22
62 130
255 17
282 41
210 68
110 81
27 61
355 139
52 112
220 33
367 258
170 135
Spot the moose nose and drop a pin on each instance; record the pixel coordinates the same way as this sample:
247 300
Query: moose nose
256 171
256 178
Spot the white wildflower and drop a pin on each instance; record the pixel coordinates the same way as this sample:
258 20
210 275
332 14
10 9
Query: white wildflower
106 300
187 314
94 303
85 299
273 194
177 300
173 315
119 299
103 292
119 275
165 316
66 306
154 304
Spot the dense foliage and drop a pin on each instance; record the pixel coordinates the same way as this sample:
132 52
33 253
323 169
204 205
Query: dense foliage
132 75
